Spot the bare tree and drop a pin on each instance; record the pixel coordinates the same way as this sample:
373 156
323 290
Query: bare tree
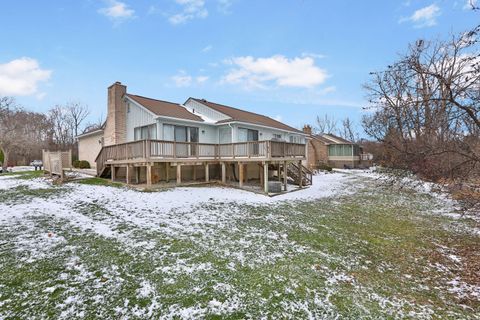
326 124
348 131
427 107
77 113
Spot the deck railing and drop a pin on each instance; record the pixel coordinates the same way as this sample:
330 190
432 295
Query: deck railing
159 149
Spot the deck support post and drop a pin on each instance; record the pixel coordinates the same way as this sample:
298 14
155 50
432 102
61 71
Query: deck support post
278 172
137 175
207 173
113 170
167 171
285 179
194 172
127 174
224 173
241 174
179 173
265 177
149 175
300 174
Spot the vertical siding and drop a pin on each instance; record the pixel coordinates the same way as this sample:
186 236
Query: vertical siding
204 110
137 117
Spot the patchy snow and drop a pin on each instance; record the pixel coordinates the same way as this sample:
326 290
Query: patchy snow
10 182
208 217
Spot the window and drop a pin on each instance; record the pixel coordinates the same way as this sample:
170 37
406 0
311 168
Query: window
295 139
340 150
245 135
225 135
277 136
145 132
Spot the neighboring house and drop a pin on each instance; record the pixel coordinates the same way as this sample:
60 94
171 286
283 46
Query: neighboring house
329 149
90 144
150 140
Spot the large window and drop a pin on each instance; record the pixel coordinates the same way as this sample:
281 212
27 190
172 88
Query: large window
295 139
340 150
145 132
225 134
245 135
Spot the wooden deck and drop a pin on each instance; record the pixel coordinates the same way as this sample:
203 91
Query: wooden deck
148 153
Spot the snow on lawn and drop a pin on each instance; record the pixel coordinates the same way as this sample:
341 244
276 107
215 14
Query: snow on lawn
202 251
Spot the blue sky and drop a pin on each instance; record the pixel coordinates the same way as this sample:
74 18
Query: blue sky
288 59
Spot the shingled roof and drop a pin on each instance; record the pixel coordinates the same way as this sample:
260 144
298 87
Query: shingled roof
164 108
245 116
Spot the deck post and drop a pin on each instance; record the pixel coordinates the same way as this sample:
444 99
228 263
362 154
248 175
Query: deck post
137 174
179 173
265 176
194 172
300 174
149 174
113 170
224 173
207 173
240 174
278 172
127 174
285 179
167 171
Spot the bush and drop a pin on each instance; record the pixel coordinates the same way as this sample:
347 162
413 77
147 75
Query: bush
81 164
84 164
324 166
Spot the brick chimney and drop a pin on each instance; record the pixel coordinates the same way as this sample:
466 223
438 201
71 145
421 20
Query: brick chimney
116 126
307 129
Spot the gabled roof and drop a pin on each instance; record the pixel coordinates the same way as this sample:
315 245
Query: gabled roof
245 116
164 108
329 138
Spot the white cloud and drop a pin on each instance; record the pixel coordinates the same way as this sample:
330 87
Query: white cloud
201 79
117 11
207 49
284 72
424 17
191 9
313 55
182 79
21 77
224 6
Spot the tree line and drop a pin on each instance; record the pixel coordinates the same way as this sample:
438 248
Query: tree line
24 133
424 109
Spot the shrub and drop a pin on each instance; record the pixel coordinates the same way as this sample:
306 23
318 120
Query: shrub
76 163
323 166
84 164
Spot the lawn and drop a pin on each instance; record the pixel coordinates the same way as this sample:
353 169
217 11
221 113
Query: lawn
348 247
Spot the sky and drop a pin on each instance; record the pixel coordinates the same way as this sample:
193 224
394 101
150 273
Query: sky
289 59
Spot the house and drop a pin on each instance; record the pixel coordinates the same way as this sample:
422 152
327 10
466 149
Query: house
329 149
90 144
150 141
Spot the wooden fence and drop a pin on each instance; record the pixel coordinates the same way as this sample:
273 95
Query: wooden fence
56 162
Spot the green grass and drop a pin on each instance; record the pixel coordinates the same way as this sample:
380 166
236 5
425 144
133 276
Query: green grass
367 255
94 181
25 174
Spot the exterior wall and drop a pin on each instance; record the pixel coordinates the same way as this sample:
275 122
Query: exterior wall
89 147
200 109
264 133
341 164
317 152
137 116
115 127
206 133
